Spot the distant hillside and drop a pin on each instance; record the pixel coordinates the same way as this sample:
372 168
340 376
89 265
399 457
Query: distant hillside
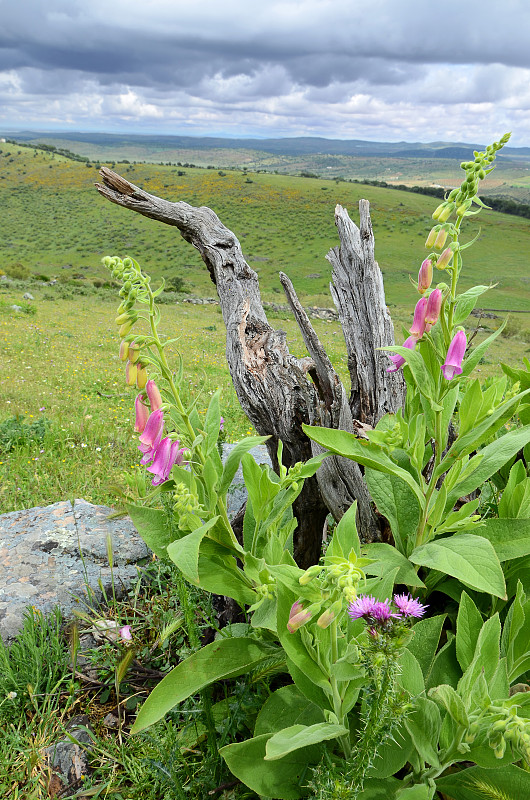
292 146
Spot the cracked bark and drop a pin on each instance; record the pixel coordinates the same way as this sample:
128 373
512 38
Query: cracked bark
277 391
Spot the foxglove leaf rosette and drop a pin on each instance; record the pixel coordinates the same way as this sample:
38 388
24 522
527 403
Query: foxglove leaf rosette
453 361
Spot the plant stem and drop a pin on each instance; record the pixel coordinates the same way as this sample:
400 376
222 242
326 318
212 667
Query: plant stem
432 483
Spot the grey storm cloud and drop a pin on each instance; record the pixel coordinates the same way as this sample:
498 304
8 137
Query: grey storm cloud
162 53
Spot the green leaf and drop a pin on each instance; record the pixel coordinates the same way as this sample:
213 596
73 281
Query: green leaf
418 792
469 558
468 627
154 527
311 691
382 587
219 573
411 676
385 558
470 406
509 537
447 698
421 375
345 537
286 706
297 736
234 459
225 658
185 552
485 660
445 668
212 422
346 444
424 643
397 502
488 461
472 360
423 725
466 302
477 783
282 779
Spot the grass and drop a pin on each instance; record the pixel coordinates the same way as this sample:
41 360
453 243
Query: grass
56 224
53 672
63 395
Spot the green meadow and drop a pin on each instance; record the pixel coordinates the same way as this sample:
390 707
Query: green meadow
60 353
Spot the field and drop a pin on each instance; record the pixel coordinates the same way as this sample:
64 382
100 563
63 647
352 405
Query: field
60 362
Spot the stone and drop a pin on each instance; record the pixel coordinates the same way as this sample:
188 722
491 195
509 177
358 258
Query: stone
68 760
14 307
28 296
56 556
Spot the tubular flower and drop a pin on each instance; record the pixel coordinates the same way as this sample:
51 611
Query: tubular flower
453 361
142 414
134 352
445 258
141 376
152 433
167 454
431 238
397 360
418 323
440 239
425 276
124 350
432 312
131 371
155 398
298 616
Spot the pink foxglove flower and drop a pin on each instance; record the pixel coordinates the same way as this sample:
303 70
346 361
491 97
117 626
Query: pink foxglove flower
298 616
425 276
155 398
453 360
418 323
397 360
409 606
432 312
152 434
141 414
167 454
445 258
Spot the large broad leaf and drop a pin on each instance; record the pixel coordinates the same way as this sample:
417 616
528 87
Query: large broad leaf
488 461
345 537
424 643
153 526
466 302
225 658
298 736
485 661
286 706
386 558
505 783
450 700
212 423
469 558
185 552
219 574
282 779
422 377
468 627
423 725
397 502
509 537
234 459
411 676
346 444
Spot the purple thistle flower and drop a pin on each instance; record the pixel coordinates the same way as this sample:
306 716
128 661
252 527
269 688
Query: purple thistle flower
363 606
382 612
409 606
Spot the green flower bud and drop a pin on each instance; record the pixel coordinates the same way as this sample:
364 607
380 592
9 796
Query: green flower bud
309 575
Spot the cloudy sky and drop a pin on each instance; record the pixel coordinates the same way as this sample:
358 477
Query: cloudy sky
386 70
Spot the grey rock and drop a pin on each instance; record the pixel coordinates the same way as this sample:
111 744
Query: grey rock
68 761
14 307
28 296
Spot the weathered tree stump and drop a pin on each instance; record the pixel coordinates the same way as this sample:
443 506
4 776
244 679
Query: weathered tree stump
277 391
